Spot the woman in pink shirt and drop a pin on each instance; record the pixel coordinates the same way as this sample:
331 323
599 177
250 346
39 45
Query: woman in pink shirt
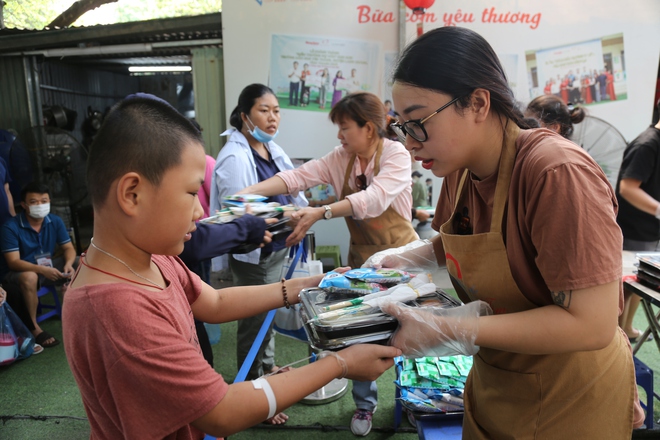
370 174
371 177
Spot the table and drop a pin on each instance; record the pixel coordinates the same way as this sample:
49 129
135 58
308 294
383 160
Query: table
649 297
445 430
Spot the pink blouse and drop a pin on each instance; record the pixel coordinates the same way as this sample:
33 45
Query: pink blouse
392 185
205 189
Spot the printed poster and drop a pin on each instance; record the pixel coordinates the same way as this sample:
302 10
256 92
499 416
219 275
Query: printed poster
313 73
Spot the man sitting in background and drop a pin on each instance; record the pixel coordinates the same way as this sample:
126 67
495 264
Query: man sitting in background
28 242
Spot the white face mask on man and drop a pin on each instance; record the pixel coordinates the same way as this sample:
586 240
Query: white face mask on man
39 211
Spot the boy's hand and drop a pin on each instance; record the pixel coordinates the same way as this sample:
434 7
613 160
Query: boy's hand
295 285
268 236
3 295
368 361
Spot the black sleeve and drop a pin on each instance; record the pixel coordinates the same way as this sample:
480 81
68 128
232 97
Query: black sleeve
639 162
212 240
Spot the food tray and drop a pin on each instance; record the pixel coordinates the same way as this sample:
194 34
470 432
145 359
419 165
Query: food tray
371 328
431 416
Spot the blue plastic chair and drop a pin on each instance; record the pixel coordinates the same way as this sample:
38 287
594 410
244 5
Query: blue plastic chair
55 309
644 376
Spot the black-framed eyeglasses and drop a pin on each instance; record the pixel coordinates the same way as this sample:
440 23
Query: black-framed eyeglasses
415 127
361 182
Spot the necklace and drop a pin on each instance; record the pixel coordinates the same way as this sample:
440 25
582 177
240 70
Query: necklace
83 261
91 241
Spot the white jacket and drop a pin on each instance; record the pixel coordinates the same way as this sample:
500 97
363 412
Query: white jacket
234 170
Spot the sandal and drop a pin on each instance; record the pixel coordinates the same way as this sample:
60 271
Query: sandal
42 337
37 349
634 339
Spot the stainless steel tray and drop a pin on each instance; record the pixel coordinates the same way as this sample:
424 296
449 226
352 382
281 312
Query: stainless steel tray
371 328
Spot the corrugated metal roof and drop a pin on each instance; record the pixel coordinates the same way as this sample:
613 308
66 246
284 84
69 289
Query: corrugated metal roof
178 29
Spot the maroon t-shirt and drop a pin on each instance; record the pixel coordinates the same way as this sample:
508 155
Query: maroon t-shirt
561 231
135 356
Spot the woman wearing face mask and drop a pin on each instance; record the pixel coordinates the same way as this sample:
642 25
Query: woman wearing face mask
248 157
527 226
371 176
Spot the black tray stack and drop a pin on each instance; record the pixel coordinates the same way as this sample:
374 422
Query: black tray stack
648 273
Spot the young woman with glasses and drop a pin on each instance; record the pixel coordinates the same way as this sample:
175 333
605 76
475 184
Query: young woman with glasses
371 177
527 230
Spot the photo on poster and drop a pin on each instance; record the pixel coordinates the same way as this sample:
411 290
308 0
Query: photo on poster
389 63
586 73
313 73
510 65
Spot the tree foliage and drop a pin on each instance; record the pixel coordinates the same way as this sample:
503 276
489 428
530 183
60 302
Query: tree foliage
66 18
30 14
36 14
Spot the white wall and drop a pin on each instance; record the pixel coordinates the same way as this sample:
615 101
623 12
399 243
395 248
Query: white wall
564 22
249 24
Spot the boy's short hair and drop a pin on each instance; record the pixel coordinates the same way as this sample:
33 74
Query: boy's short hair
141 135
34 187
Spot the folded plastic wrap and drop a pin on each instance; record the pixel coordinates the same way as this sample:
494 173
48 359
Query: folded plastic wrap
414 256
434 331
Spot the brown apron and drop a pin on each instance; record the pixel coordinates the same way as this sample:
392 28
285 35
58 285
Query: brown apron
372 235
580 395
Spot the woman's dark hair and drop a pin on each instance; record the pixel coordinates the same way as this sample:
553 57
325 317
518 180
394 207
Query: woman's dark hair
139 134
532 122
361 107
456 61
246 101
550 109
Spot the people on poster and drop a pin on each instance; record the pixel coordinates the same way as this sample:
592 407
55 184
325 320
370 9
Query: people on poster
594 85
337 91
354 82
294 84
601 80
325 86
304 90
563 89
611 94
582 88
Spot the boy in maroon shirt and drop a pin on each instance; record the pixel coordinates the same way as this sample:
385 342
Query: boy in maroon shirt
128 315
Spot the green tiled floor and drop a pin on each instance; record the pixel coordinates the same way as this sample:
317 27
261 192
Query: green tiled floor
42 389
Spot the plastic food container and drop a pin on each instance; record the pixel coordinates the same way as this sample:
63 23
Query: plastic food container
375 328
8 349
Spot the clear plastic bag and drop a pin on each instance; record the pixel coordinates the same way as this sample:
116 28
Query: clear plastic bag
414 256
435 331
16 341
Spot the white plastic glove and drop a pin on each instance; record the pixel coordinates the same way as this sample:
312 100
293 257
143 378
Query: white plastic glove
414 256
435 331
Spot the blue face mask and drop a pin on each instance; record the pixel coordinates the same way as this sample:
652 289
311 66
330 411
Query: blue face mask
259 134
